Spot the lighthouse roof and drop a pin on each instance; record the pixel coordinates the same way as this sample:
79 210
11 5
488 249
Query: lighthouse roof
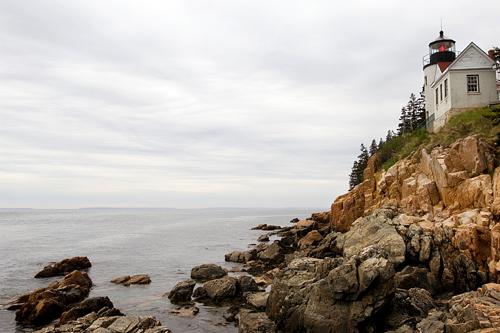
441 38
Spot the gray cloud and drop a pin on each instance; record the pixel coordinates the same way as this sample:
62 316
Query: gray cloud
196 103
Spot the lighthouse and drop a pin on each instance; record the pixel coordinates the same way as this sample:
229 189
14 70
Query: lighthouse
456 81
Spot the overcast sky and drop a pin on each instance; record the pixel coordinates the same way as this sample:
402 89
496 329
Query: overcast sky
207 103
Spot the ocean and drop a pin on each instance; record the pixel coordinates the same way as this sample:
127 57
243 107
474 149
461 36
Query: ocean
164 243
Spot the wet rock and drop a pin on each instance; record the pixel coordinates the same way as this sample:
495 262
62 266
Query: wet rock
273 253
263 238
254 322
258 300
46 304
266 227
128 280
221 289
185 311
200 293
207 272
182 291
294 220
313 237
247 284
85 307
267 278
241 256
64 267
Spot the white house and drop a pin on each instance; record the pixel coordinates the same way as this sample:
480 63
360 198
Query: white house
454 83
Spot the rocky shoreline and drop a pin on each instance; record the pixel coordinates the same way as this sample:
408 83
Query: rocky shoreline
415 248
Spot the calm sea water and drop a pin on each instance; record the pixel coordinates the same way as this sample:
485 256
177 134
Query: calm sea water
164 243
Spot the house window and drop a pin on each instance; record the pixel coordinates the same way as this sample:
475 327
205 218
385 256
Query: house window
437 96
446 88
472 83
441 91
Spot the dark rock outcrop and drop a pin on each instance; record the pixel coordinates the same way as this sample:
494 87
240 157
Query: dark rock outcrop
46 304
94 304
64 267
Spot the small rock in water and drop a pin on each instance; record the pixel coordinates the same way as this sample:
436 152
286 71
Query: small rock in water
185 311
64 267
128 280
295 220
266 227
263 238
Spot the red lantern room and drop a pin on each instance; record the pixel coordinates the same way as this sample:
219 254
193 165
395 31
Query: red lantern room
441 52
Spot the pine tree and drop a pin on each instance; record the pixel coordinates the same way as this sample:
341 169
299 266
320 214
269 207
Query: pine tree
380 144
353 177
362 161
359 166
412 113
421 109
390 135
373 147
403 122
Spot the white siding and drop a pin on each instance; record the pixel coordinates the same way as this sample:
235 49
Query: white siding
487 89
472 58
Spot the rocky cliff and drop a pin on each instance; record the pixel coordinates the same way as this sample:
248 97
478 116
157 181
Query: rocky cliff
450 193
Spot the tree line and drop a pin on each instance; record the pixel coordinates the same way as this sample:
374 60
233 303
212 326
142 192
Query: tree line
412 117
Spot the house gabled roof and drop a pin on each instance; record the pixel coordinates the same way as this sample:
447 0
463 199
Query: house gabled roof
460 62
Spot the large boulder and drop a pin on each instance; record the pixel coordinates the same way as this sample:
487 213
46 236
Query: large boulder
207 272
272 254
85 307
312 237
46 304
221 289
247 284
64 267
182 291
375 229
331 295
241 256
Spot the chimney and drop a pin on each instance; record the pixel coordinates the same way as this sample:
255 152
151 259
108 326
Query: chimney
491 53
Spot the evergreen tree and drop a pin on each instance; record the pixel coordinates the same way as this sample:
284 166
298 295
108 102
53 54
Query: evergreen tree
359 166
404 121
380 144
390 135
373 147
353 177
421 109
412 113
